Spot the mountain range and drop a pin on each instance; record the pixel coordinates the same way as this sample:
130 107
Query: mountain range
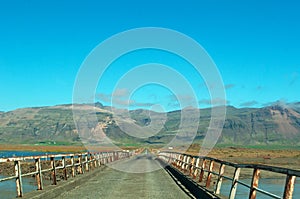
276 124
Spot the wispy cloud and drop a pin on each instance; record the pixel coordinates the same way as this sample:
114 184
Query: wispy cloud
182 100
119 96
123 102
173 104
212 85
103 97
294 78
229 86
121 92
249 103
259 88
142 104
119 99
180 97
215 101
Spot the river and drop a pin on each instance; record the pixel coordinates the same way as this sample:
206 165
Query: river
9 154
272 185
8 188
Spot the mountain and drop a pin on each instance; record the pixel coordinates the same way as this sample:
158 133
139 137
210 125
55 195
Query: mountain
275 124
272 124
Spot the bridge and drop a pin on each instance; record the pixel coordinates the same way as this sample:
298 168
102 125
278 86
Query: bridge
160 174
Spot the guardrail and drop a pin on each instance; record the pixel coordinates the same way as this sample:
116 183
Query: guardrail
79 163
196 167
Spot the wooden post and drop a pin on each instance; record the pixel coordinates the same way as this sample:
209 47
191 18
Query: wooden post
196 169
104 158
98 159
169 158
18 179
91 161
116 156
236 176
220 179
95 160
178 160
64 168
53 173
289 187
73 167
209 175
192 166
111 157
38 169
173 159
86 163
183 162
81 171
187 165
254 183
107 158
202 170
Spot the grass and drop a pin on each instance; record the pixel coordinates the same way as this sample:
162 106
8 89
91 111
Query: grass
61 148
261 146
281 157
44 148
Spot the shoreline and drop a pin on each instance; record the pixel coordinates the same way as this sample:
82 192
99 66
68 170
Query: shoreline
42 148
58 148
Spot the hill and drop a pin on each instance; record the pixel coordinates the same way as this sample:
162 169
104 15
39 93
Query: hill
271 125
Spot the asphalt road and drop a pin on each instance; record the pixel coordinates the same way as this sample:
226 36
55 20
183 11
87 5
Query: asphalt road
149 180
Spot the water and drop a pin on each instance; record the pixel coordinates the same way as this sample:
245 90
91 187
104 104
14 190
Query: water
275 186
9 154
272 185
8 188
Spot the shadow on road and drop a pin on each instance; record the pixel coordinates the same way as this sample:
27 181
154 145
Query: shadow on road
190 187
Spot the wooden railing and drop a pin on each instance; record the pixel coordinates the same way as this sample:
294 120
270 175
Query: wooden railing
202 169
78 163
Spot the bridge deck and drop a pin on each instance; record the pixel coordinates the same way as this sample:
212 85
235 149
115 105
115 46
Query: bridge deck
111 183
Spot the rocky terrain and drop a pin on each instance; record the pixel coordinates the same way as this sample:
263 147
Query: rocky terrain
276 124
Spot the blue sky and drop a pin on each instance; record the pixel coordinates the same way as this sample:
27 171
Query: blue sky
255 45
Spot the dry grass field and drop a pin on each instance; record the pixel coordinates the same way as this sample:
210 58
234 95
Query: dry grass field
289 158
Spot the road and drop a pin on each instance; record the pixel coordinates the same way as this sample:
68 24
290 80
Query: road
112 183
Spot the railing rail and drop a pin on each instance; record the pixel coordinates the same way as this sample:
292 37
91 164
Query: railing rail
196 166
80 162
